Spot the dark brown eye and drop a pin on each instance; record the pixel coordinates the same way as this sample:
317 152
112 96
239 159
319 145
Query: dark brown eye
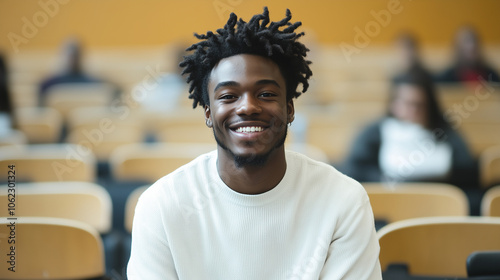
267 94
226 96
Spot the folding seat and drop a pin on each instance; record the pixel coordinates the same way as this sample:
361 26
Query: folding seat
437 246
48 162
50 248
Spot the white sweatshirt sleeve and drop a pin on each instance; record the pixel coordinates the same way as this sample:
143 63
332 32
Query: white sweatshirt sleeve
150 256
354 250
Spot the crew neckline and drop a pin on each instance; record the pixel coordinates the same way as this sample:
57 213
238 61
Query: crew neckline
253 200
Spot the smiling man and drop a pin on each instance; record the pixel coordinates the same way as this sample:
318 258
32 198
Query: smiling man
251 209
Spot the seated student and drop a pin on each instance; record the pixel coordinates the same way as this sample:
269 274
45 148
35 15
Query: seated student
469 64
408 56
413 142
7 117
250 209
71 71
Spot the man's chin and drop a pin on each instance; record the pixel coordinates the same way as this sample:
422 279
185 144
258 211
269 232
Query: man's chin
247 157
250 160
252 154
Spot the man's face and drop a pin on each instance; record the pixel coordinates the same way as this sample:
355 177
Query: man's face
248 107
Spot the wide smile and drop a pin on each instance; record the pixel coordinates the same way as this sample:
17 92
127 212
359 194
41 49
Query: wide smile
248 131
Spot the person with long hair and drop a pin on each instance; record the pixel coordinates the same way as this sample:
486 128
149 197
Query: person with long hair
413 141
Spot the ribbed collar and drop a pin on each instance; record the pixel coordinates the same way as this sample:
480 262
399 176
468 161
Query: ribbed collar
254 200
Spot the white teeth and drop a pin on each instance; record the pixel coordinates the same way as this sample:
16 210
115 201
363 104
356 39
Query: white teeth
249 129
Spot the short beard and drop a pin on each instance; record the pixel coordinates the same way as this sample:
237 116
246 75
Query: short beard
252 160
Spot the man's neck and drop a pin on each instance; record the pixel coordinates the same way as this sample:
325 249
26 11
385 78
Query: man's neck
252 179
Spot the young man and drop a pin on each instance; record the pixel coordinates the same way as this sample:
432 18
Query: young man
250 209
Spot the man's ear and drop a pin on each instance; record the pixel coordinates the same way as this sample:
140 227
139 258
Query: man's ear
208 117
290 110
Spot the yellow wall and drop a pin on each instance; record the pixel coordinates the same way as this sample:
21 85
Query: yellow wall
112 23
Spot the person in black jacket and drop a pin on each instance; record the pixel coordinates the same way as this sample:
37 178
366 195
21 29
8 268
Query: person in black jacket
413 142
408 56
469 64
71 71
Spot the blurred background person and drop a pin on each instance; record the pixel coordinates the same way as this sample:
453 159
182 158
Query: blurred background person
71 70
469 64
7 117
408 57
413 142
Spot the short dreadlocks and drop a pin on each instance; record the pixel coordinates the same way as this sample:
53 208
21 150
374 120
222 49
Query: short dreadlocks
254 37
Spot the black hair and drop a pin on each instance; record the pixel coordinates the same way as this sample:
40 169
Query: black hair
472 35
408 40
255 37
6 105
421 79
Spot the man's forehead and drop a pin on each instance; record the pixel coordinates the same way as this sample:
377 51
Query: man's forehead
242 67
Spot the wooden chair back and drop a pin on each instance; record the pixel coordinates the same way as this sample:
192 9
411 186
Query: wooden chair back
437 246
415 200
51 248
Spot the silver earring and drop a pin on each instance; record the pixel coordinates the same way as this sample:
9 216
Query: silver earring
208 123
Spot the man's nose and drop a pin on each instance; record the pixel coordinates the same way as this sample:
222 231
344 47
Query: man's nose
248 105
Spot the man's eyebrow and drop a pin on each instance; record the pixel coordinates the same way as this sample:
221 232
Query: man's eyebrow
266 82
226 84
235 84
